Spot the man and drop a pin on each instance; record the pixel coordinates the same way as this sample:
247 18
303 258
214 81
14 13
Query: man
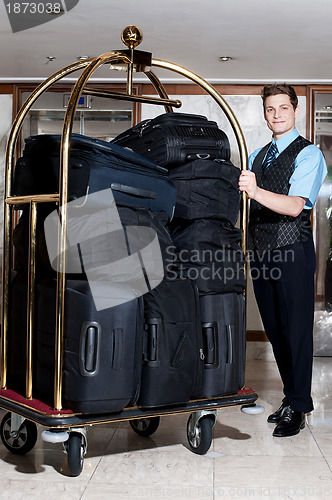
283 181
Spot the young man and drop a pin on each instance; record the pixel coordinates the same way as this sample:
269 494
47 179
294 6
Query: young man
283 181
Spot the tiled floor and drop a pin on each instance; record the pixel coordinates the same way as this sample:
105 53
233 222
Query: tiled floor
244 461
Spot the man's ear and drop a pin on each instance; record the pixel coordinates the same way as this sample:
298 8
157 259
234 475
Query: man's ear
297 111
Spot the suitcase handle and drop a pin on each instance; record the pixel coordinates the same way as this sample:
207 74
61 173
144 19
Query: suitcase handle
142 193
89 349
229 344
210 340
151 351
200 156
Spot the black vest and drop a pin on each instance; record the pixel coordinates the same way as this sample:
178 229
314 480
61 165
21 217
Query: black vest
267 229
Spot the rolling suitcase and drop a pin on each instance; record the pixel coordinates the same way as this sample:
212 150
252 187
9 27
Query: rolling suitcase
224 337
94 165
172 139
172 345
207 189
102 349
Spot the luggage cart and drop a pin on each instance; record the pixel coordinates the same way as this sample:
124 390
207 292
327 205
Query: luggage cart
18 427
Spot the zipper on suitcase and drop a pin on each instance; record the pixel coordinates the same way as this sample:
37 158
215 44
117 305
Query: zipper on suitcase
117 348
178 355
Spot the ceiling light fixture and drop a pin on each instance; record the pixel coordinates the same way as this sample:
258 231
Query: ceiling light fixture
225 58
50 58
82 58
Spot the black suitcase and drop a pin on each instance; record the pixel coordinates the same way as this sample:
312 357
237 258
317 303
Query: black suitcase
172 139
224 337
102 350
207 189
172 345
209 253
139 254
94 165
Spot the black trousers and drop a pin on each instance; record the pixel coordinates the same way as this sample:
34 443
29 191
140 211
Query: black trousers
283 282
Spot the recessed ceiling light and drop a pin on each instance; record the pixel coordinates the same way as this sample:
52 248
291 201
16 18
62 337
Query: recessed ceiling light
50 58
225 58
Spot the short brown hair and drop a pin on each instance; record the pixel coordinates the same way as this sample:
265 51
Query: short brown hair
280 88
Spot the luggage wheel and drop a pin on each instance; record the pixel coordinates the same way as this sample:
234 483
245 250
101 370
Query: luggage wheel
199 430
76 447
18 434
252 409
145 426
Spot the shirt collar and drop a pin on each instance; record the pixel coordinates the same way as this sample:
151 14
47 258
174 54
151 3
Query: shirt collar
285 140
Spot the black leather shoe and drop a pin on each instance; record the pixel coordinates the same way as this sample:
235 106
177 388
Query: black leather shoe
275 417
290 424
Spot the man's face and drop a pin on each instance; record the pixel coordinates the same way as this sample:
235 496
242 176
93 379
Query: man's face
280 114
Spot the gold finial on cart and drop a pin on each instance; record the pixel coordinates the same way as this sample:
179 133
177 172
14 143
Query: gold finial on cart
131 36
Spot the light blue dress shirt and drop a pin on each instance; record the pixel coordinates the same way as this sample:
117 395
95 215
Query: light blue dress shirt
310 168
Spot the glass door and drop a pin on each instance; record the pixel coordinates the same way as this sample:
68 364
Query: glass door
322 129
95 116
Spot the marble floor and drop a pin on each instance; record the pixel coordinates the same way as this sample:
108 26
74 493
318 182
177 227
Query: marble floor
244 461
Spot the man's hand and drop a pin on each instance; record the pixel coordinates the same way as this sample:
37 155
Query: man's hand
247 182
280 203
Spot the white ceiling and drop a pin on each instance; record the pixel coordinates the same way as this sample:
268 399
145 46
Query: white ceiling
288 40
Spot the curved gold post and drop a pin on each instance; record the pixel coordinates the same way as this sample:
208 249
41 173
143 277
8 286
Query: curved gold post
234 123
159 88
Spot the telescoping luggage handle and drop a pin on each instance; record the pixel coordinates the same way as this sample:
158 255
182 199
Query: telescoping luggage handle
130 60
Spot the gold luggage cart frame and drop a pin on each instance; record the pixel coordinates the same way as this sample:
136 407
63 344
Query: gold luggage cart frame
18 430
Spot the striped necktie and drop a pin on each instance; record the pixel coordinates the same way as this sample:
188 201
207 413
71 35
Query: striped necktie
270 156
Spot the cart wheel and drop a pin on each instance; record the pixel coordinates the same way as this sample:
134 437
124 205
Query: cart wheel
145 426
200 436
19 442
75 450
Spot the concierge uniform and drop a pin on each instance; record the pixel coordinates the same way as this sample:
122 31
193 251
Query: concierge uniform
283 260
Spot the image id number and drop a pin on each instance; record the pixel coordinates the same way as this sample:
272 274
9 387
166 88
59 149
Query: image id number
33 8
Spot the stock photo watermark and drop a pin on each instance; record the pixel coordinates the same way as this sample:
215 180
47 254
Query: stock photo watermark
124 262
26 15
235 492
225 264
120 263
